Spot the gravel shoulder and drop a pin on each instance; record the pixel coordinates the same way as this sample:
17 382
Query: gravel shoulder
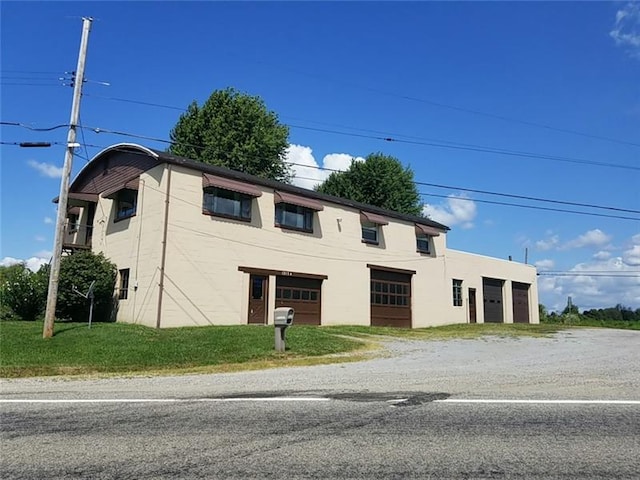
572 364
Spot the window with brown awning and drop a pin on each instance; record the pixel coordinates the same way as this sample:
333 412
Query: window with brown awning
282 197
209 180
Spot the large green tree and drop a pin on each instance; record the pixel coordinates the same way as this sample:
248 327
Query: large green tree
380 180
235 130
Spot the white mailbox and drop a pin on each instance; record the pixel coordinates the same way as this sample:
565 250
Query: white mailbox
283 317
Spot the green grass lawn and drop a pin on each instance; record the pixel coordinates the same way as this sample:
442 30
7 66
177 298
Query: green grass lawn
117 348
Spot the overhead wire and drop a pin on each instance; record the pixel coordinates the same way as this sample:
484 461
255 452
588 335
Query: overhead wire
413 140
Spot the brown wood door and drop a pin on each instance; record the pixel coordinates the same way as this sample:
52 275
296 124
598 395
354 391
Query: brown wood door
520 302
390 299
258 295
303 295
472 305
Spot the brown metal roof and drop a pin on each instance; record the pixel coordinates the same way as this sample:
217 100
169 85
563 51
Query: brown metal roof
283 197
373 218
432 232
132 184
82 197
209 180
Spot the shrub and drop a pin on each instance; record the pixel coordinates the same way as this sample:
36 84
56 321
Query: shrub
79 270
23 293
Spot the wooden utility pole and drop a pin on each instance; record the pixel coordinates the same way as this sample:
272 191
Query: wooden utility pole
54 274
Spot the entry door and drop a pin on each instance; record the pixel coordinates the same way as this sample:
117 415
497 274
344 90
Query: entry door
472 305
258 294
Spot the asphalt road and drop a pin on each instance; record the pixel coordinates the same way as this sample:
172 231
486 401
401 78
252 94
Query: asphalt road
562 407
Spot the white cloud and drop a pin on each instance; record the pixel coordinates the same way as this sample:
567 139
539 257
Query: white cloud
33 263
48 220
602 255
306 171
457 210
548 243
632 256
46 169
40 238
626 30
546 264
592 238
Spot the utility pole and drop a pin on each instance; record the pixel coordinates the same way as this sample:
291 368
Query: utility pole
54 274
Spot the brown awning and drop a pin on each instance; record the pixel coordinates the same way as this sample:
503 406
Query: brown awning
132 184
209 180
82 197
73 211
425 230
282 197
373 218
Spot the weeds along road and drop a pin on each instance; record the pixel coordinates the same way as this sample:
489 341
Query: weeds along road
567 406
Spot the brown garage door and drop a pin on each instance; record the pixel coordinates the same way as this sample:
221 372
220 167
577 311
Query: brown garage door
520 302
301 294
390 299
492 296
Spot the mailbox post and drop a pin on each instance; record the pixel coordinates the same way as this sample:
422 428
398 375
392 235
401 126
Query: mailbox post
282 318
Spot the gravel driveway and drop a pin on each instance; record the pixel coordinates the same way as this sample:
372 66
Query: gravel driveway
572 364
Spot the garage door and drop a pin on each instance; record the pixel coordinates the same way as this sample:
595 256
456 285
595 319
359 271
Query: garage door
390 299
492 295
520 302
301 294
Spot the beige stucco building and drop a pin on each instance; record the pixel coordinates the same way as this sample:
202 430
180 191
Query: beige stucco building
203 245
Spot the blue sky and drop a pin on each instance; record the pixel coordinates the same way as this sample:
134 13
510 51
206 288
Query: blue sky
362 68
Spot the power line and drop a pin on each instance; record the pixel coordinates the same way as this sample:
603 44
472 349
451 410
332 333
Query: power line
458 108
35 129
534 207
412 140
578 274
449 187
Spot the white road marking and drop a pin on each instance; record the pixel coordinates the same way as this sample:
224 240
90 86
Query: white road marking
542 402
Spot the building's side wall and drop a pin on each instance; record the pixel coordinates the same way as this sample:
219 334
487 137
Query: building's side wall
135 243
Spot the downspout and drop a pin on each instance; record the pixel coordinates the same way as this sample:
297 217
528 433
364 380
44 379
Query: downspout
164 247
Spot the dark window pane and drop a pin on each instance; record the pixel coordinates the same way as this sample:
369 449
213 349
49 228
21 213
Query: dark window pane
314 296
256 290
286 293
392 300
278 293
385 299
296 294
378 299
392 288
385 287
305 295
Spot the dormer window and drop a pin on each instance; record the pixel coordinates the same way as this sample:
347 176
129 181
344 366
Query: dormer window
370 225
224 197
424 238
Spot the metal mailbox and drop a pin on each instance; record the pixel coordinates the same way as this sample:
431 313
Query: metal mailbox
283 317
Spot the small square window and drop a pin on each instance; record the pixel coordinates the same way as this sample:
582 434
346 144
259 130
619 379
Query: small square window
423 243
370 232
126 203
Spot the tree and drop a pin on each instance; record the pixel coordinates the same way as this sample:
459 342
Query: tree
233 130
79 270
380 180
23 293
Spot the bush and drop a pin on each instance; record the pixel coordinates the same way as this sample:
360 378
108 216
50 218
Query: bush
23 293
79 270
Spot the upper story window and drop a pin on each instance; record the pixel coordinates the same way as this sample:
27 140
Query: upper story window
294 216
126 203
371 224
224 197
295 212
424 238
457 293
73 219
423 243
225 203
369 232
